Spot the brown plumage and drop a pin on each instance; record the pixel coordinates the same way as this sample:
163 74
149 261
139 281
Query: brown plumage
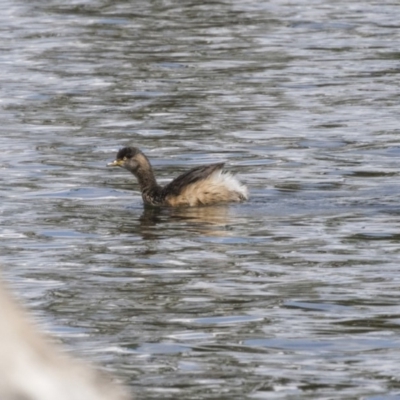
199 186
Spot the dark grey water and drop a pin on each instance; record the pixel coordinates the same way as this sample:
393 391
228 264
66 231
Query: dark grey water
294 294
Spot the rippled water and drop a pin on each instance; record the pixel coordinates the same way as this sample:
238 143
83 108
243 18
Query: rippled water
294 294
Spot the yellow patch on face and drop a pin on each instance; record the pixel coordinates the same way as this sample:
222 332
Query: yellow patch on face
116 163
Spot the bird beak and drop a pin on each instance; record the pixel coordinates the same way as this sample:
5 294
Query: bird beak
116 163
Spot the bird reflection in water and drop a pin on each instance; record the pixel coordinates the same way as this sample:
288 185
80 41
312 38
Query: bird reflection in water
210 221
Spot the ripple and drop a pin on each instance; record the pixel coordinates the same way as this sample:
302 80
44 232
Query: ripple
291 294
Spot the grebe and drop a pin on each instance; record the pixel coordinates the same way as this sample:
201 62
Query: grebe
199 186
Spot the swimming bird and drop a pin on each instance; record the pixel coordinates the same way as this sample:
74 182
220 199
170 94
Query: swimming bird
199 186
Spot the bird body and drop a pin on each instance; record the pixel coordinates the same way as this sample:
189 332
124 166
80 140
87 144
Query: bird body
199 186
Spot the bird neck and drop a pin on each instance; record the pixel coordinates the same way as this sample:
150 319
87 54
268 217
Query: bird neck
146 179
151 191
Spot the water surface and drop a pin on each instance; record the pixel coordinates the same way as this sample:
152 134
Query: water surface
293 294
